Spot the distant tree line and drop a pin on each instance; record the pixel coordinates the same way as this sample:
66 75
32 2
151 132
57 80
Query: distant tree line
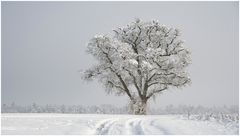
50 108
188 109
110 109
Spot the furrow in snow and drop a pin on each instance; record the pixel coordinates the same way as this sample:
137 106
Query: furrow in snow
104 126
133 126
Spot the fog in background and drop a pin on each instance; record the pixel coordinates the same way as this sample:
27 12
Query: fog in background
44 43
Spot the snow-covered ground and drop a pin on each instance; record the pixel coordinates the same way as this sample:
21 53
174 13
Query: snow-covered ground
16 123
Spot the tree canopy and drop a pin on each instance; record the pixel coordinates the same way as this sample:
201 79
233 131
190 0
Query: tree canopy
140 60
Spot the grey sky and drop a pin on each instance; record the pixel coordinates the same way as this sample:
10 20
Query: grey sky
44 43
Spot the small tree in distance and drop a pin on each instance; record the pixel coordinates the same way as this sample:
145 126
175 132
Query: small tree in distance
139 60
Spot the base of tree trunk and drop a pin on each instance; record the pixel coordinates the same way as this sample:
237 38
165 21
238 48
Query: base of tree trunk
138 107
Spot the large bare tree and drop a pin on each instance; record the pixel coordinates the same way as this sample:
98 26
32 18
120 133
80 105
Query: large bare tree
139 60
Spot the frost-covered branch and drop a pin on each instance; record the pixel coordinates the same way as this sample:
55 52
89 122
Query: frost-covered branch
156 91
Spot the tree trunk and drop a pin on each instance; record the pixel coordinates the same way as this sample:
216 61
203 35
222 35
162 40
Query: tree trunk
138 107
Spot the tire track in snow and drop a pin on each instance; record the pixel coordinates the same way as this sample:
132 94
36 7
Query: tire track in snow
117 128
133 126
149 128
162 129
104 127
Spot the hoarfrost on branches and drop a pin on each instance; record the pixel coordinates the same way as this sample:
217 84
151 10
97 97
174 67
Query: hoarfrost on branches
143 58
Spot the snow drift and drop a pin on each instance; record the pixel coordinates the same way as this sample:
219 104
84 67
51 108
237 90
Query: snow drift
16 123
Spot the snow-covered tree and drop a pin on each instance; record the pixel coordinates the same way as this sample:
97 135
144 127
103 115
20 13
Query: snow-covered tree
139 60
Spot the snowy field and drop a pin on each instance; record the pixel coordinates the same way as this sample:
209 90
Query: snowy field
108 124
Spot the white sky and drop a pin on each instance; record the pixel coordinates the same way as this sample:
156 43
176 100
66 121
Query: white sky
44 43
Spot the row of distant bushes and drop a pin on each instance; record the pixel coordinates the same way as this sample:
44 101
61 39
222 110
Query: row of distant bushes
110 109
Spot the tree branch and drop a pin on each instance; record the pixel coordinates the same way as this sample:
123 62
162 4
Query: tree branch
134 82
140 31
157 91
119 76
117 86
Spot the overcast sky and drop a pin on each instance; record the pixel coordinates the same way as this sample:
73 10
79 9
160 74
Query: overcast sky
44 43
